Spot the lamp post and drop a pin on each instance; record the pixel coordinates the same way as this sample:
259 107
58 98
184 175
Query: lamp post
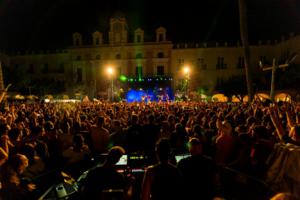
186 71
110 72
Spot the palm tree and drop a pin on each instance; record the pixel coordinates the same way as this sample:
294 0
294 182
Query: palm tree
244 38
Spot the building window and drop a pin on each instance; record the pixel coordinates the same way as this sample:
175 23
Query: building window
61 68
201 64
138 38
220 63
139 55
240 64
31 69
160 55
180 61
45 68
79 75
160 37
118 56
97 41
139 71
160 70
98 57
78 58
77 42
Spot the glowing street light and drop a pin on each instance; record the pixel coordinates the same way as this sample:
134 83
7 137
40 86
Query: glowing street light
110 71
186 71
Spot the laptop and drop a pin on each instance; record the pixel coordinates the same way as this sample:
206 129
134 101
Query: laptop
123 160
181 156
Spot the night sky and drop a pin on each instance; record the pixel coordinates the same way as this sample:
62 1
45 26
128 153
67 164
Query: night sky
49 24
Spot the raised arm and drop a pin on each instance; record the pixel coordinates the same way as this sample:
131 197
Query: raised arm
276 123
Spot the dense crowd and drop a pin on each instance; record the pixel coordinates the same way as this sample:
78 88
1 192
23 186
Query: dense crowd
37 138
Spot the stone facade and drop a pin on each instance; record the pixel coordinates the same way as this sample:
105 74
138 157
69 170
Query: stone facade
81 67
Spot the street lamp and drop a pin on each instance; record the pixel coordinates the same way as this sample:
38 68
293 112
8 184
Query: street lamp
110 71
186 71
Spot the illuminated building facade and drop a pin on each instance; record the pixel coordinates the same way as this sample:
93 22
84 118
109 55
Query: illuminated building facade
138 63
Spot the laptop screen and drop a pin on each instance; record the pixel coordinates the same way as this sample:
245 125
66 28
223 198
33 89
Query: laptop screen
181 156
123 160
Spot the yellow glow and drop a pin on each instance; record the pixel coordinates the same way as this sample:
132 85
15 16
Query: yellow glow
110 70
186 69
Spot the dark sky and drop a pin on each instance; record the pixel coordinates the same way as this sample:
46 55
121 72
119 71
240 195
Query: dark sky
46 24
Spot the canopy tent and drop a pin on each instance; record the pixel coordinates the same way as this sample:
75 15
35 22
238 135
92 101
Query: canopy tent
283 97
32 97
258 96
86 99
235 99
48 96
19 97
219 98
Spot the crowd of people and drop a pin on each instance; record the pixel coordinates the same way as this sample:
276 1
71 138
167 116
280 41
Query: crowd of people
37 138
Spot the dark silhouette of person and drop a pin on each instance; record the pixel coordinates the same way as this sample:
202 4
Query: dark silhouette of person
106 178
198 172
162 181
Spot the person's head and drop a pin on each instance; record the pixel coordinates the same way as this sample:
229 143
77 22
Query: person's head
78 141
114 154
134 119
100 121
49 126
151 119
195 146
171 119
29 151
163 149
18 163
283 196
259 132
197 129
226 128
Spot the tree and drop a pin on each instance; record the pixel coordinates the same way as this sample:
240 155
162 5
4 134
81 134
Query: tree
235 85
244 38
